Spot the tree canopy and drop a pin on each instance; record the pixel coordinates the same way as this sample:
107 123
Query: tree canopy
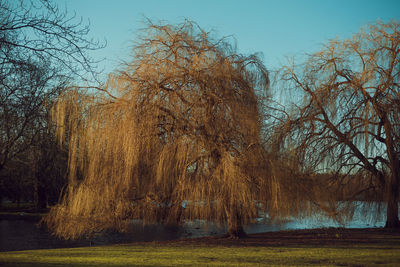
174 136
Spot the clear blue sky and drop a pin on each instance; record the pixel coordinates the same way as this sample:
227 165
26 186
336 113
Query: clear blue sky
276 28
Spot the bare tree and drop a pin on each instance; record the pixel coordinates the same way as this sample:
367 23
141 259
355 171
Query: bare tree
41 50
174 136
41 32
348 122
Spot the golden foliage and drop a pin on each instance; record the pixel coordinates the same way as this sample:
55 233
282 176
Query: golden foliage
174 136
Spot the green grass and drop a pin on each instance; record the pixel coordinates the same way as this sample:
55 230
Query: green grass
208 255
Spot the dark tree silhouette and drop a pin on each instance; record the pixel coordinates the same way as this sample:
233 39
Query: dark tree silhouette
42 49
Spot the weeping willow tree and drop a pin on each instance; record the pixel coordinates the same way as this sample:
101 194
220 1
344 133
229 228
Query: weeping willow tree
174 136
349 121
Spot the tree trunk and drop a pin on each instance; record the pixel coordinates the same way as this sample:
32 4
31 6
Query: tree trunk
40 196
235 227
236 231
392 185
392 195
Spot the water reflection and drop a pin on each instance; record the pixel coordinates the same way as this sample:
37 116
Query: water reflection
24 234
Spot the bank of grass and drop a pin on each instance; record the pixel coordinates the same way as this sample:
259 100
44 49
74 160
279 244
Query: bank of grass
167 255
296 248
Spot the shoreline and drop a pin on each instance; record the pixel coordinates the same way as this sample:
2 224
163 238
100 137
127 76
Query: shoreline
300 237
21 215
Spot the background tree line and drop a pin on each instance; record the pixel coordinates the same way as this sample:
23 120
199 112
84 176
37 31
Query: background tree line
42 50
189 128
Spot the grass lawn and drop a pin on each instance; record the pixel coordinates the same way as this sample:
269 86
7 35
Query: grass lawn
300 248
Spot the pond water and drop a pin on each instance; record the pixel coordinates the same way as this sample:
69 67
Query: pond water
21 234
